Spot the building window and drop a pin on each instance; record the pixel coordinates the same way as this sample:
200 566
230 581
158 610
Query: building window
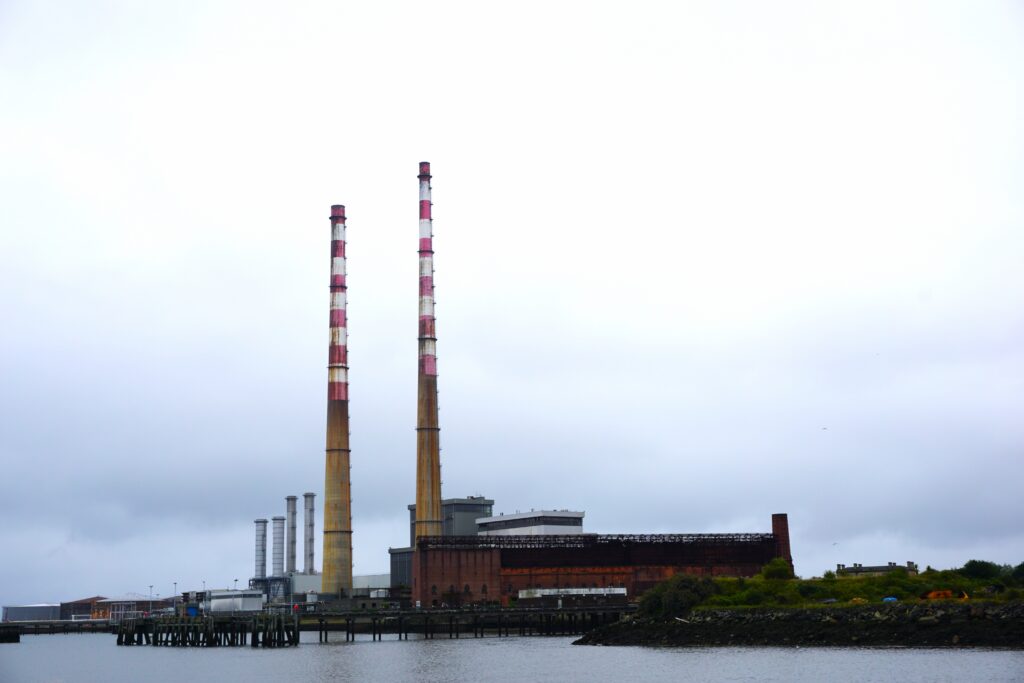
433 590
483 589
466 589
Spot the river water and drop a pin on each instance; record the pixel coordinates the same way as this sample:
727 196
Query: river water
88 658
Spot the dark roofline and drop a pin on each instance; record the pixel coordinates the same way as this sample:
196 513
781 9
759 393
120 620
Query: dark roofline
81 601
587 540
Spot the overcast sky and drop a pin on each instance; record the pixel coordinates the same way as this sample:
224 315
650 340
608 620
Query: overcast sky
697 263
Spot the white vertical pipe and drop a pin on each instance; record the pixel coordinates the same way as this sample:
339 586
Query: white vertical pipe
307 542
278 557
290 538
261 549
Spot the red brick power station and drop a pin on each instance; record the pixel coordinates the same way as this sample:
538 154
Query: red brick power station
460 570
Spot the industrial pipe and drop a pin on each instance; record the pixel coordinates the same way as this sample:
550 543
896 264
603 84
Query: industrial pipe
307 542
261 549
278 557
290 538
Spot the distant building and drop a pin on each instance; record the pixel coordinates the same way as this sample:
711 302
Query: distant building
79 609
128 606
533 523
37 612
879 570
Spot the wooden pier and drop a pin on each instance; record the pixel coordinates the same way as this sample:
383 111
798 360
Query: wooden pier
31 628
269 629
462 623
256 630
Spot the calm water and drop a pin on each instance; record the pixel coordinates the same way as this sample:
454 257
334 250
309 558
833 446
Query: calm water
88 658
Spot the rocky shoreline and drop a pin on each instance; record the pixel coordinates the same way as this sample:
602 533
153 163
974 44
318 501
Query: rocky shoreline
890 625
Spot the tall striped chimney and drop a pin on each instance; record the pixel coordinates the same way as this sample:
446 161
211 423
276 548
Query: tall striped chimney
428 448
337 571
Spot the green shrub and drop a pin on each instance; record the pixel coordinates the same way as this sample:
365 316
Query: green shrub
778 568
676 596
980 569
809 591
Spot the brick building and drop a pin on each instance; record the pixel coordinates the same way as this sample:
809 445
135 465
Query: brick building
459 570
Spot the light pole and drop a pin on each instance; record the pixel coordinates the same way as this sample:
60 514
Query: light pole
151 598
236 584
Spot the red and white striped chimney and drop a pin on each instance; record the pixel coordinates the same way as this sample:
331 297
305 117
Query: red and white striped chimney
428 340
429 521
337 362
337 572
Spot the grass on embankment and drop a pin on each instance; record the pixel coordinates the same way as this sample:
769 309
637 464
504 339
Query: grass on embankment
775 586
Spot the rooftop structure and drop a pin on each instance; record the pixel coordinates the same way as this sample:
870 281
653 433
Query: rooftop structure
458 515
533 523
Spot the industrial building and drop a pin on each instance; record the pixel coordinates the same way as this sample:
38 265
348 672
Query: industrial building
461 570
129 605
284 581
37 612
473 515
458 516
75 610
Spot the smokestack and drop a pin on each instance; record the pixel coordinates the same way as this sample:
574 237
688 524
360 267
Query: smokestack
337 573
307 542
290 538
428 448
261 549
780 530
278 557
